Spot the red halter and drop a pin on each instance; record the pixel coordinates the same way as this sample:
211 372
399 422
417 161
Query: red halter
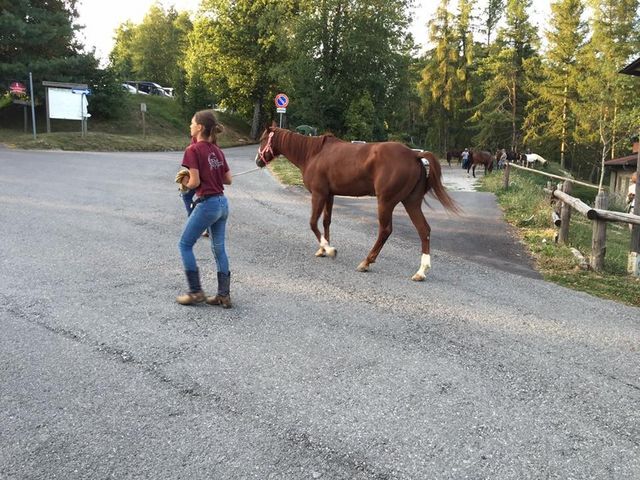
267 148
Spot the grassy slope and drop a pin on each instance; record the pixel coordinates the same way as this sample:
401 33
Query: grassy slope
527 207
166 129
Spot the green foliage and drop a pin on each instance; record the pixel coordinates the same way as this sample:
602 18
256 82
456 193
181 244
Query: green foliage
500 114
107 97
551 115
153 50
360 118
341 49
38 37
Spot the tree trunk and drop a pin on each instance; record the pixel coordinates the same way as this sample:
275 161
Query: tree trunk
563 140
255 124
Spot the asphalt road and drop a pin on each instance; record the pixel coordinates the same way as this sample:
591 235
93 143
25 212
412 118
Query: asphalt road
483 371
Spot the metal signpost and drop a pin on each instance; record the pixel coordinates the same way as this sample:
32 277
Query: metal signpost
83 109
143 110
281 101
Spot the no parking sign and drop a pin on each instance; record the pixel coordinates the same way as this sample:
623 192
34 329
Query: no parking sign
281 100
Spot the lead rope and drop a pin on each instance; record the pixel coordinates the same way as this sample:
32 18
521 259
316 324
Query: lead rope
248 171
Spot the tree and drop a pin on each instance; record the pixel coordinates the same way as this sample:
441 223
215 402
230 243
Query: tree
491 16
154 49
121 56
499 116
439 75
342 49
38 36
604 92
249 50
551 114
360 118
203 85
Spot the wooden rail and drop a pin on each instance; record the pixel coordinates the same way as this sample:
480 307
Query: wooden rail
598 214
550 175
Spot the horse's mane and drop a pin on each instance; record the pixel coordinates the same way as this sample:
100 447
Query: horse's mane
302 146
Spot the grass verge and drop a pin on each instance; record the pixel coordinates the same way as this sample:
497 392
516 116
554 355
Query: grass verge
165 129
527 207
286 172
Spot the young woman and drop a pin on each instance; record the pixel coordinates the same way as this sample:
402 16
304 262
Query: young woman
208 173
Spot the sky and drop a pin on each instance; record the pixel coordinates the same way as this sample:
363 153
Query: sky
102 17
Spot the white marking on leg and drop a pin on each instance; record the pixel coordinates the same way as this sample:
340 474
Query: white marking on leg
328 249
425 266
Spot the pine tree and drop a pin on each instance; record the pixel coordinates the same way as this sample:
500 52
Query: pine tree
500 115
550 115
439 76
604 92
38 36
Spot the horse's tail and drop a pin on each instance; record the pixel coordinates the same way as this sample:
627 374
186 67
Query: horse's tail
434 183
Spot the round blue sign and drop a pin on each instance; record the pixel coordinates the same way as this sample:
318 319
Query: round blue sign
282 100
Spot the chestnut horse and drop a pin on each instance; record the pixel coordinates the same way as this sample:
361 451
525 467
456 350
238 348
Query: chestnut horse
480 157
390 171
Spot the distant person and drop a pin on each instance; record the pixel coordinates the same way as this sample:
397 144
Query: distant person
208 173
465 158
502 159
631 195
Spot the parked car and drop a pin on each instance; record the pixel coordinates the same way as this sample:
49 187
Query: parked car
131 89
149 88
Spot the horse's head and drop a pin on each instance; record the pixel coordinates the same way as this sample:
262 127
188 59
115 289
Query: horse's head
266 151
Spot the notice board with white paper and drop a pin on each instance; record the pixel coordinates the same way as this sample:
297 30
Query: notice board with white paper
67 105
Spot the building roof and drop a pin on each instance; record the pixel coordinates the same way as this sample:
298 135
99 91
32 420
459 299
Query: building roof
629 160
633 68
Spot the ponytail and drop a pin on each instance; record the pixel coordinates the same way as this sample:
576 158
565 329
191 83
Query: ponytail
212 128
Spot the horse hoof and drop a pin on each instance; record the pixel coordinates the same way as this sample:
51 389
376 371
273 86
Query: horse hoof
418 278
331 251
363 267
320 252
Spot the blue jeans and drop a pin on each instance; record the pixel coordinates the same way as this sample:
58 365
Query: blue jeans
210 214
187 198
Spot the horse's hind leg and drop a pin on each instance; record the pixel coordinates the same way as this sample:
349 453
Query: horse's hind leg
385 227
326 223
414 209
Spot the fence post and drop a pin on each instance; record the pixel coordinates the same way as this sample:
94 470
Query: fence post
505 179
565 216
599 239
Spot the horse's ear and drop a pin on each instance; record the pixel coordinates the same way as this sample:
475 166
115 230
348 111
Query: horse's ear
273 124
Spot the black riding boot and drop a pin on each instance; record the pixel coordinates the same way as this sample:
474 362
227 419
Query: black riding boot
195 295
223 297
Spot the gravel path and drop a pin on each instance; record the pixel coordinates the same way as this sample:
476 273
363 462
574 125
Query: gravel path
482 371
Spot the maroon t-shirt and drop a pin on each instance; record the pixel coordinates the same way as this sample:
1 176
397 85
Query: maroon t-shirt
209 160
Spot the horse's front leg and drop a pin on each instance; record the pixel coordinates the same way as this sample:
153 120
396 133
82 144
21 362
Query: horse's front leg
414 209
473 170
385 227
326 223
318 203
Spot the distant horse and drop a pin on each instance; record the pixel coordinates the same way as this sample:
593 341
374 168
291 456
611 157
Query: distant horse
451 154
390 171
480 157
530 159
512 156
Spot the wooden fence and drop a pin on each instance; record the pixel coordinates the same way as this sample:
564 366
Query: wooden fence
598 214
